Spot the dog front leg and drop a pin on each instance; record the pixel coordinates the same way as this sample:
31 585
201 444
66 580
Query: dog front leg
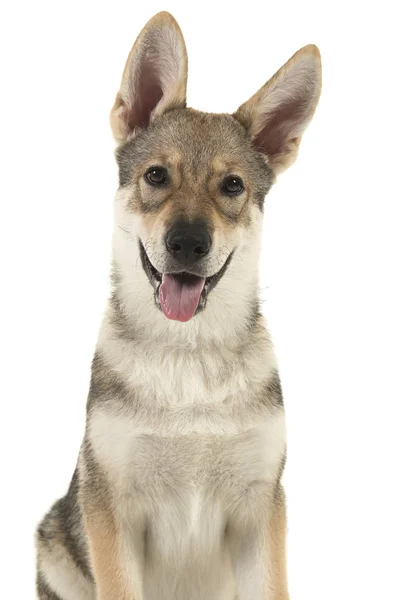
258 550
104 553
117 566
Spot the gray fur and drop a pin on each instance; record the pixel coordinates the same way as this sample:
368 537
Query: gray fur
43 590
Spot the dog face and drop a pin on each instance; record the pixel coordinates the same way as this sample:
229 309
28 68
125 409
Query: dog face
195 188
193 184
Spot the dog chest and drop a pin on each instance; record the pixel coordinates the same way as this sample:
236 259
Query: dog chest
184 469
183 490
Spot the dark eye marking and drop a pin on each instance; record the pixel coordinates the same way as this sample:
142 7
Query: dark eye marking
156 176
232 186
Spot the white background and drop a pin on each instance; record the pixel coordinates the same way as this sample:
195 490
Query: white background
330 264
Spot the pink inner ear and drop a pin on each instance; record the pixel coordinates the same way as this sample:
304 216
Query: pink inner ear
281 126
148 95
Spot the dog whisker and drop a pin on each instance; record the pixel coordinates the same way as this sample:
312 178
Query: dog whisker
125 230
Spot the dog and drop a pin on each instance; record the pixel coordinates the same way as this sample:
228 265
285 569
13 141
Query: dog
177 492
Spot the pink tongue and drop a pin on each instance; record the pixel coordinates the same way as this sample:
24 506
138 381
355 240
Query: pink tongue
179 297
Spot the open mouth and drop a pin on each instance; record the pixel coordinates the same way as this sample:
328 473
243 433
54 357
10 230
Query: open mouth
180 295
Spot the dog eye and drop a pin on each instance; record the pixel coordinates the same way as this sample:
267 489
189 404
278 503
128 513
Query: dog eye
156 176
232 186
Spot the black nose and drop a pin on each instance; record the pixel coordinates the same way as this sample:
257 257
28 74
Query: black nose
188 242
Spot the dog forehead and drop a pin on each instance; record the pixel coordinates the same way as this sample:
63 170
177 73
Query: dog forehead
200 145
199 140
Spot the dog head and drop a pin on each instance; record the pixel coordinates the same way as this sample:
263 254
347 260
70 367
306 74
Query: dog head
192 184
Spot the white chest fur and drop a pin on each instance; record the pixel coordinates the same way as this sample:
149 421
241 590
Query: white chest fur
185 476
132 453
195 445
186 488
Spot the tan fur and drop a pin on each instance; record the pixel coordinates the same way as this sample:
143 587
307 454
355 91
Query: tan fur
277 533
105 556
183 201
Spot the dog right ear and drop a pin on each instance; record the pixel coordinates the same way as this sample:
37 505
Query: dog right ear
154 79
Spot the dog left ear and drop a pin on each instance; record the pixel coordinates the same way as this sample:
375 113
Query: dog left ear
278 114
154 78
